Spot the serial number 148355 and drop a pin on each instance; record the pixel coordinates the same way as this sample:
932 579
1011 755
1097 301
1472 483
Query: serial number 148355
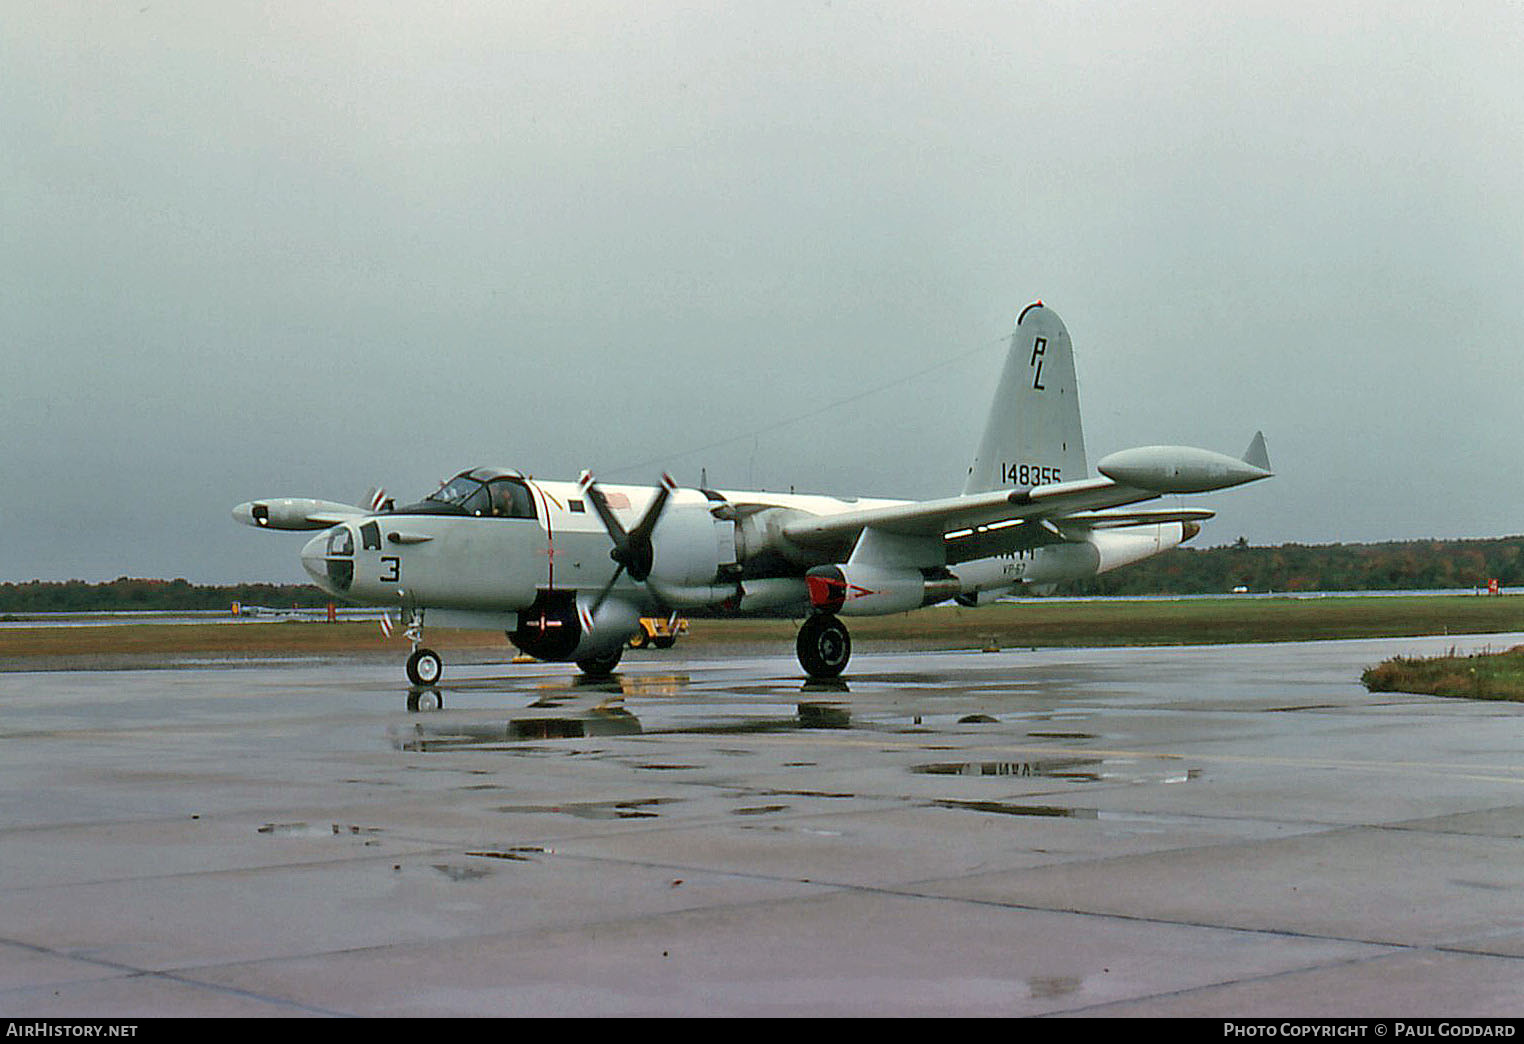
1028 474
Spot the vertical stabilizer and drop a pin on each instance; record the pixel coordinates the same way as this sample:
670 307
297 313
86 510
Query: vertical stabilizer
1033 435
1258 455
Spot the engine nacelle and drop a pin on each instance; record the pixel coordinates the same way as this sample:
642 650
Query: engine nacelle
690 546
560 626
997 573
762 543
1099 551
1055 563
769 594
864 590
1102 551
1126 546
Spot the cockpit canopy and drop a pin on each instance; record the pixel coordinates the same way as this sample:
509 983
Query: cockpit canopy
481 492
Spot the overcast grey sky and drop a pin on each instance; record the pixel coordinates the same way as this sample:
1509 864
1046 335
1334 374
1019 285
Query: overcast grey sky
302 249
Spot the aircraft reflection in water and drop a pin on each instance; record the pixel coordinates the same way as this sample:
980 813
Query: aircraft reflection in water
567 569
449 734
552 723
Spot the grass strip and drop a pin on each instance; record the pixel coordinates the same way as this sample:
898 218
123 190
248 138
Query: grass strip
1034 623
1479 676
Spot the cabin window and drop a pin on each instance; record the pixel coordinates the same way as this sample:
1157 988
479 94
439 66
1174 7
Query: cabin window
511 499
341 541
341 567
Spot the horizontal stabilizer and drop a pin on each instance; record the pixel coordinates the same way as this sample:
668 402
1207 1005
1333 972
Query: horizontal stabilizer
1125 519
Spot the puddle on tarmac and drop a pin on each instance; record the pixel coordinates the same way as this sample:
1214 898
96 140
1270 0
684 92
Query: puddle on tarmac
316 830
1049 988
517 854
595 809
444 733
441 732
776 792
806 716
1009 808
1072 770
1083 770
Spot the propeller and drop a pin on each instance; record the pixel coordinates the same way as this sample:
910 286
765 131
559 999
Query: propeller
632 548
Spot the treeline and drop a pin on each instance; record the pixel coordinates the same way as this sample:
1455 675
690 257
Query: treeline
1420 565
125 594
1417 565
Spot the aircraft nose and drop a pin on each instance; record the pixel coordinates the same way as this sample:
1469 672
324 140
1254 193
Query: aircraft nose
313 560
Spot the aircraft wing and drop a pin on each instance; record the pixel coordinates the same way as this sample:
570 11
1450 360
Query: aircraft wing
1004 538
950 515
1127 477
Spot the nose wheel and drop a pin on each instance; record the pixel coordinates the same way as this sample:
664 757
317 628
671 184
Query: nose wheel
824 646
424 667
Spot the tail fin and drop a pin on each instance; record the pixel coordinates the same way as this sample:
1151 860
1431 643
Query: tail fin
1033 436
1258 455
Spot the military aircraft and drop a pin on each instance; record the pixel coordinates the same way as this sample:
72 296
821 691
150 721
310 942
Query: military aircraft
567 569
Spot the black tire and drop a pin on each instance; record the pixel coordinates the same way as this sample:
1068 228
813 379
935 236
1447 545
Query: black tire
664 642
600 666
824 646
424 667
638 639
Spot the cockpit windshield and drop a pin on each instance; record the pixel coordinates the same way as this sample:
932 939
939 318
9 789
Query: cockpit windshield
484 492
464 493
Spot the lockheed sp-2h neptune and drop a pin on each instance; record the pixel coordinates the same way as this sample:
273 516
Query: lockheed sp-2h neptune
567 569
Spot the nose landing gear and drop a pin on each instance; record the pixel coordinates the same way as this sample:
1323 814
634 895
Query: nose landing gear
423 667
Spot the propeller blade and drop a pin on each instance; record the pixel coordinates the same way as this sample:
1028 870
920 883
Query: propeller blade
632 548
603 595
647 523
642 553
590 491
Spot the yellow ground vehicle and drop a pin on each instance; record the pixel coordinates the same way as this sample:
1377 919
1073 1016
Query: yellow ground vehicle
658 632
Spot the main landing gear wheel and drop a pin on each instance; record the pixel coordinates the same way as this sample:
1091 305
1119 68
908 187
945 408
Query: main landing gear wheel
424 667
600 666
824 646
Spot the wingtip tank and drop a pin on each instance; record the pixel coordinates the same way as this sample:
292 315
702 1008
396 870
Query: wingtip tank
1185 469
293 513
